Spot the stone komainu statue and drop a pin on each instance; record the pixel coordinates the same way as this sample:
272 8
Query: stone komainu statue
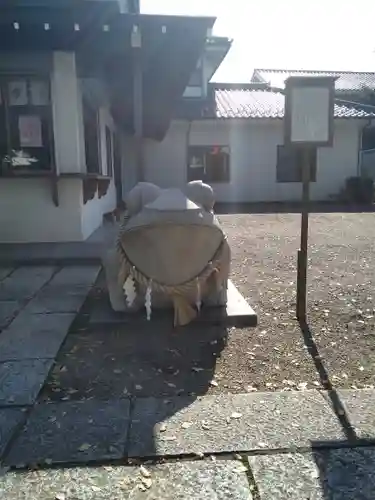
170 251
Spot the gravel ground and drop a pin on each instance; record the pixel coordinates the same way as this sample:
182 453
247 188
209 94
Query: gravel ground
341 299
337 351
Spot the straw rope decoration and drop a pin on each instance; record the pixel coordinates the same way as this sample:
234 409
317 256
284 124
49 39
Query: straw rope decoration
196 287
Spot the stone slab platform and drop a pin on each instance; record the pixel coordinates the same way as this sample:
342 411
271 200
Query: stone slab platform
237 313
205 480
72 432
232 423
336 474
266 423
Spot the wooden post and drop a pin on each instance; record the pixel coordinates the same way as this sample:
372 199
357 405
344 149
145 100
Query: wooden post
302 252
138 113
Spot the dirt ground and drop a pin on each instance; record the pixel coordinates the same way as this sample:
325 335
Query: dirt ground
337 350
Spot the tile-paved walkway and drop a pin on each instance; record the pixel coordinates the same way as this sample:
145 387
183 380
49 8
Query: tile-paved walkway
37 307
273 431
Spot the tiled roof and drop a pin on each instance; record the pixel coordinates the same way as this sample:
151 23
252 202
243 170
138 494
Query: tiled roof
347 81
249 103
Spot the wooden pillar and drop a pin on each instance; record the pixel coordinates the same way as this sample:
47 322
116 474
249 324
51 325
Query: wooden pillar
138 102
302 252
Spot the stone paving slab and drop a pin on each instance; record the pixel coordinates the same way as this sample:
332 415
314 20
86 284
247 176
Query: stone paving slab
71 432
24 282
61 253
66 292
359 406
34 336
221 480
4 272
47 304
8 309
21 381
76 276
338 474
10 418
225 423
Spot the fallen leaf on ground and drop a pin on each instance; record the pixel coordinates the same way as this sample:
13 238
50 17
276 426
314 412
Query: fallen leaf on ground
84 447
315 474
147 482
240 468
236 415
186 425
145 472
302 386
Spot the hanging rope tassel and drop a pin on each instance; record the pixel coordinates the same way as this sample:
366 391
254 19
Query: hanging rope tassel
198 301
130 291
148 300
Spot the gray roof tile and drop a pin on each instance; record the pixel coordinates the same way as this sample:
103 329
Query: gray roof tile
248 103
347 81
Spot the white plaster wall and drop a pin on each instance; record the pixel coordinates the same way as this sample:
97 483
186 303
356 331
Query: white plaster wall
92 212
165 162
253 146
28 215
67 114
253 163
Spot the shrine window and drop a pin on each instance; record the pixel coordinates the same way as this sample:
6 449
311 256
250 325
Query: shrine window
209 163
26 137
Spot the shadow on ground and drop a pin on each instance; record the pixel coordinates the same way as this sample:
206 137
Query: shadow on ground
148 364
345 473
284 208
346 468
136 360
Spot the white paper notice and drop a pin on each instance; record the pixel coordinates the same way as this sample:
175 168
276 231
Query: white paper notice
30 129
310 115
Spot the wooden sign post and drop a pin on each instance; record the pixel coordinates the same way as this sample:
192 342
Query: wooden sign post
308 124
